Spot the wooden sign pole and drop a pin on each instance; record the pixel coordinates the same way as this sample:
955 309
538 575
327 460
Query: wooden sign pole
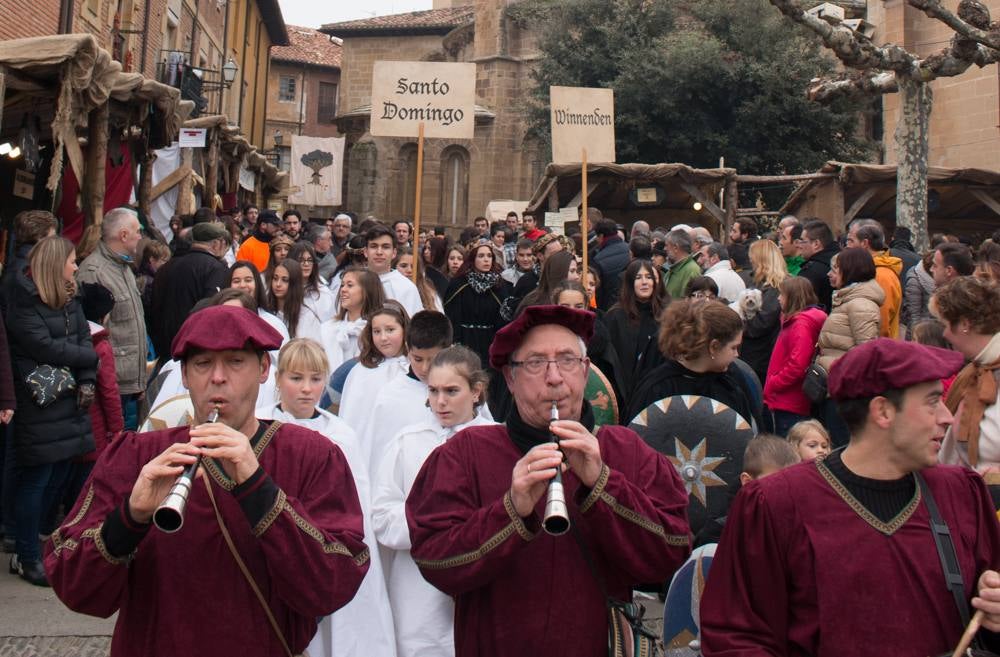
584 219
416 207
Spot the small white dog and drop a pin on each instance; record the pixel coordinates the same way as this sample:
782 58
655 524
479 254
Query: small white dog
748 304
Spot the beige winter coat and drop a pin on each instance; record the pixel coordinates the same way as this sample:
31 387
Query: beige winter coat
126 326
855 318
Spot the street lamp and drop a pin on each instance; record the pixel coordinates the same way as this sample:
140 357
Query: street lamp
229 70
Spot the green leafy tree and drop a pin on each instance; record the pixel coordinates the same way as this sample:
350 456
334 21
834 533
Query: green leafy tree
695 80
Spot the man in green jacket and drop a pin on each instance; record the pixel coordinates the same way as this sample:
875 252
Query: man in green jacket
681 266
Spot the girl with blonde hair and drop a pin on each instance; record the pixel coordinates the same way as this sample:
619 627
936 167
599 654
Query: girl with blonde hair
364 625
761 330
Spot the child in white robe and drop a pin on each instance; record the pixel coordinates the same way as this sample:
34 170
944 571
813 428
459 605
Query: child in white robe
360 295
422 615
403 401
363 626
382 358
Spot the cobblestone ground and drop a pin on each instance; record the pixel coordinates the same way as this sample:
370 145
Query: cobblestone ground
55 646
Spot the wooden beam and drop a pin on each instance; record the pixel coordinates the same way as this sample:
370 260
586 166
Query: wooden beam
95 169
859 204
211 169
706 201
578 199
172 180
732 201
185 189
797 177
986 199
146 184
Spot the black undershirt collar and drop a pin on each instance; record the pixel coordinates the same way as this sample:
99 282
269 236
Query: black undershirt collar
525 436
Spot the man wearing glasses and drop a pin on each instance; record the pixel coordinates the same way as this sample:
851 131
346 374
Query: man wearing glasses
818 247
475 509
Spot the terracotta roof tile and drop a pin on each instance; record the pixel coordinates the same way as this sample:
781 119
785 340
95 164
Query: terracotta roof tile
432 20
308 46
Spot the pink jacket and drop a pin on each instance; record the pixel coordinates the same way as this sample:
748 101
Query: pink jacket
793 352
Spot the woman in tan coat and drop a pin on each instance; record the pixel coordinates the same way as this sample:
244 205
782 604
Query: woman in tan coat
854 318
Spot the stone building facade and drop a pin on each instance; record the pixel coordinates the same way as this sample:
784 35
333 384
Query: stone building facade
144 35
302 96
459 176
965 121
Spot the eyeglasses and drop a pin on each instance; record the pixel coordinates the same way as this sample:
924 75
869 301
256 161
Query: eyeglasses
566 364
306 261
701 295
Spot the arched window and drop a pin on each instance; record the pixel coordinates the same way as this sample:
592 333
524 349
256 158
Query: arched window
454 186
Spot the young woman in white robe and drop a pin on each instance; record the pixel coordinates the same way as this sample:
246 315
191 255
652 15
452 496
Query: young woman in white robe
382 358
364 625
318 303
422 615
360 295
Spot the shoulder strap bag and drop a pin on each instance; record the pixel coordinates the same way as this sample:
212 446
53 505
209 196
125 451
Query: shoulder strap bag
949 564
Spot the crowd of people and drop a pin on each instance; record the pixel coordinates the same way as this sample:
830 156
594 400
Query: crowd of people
434 368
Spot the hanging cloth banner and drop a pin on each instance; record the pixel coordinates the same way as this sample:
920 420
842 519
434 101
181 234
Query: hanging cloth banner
317 171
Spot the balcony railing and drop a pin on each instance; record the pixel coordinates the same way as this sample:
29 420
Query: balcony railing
195 83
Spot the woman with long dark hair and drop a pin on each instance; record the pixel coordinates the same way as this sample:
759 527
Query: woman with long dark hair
318 303
557 269
361 294
243 275
434 254
47 331
633 323
475 298
286 294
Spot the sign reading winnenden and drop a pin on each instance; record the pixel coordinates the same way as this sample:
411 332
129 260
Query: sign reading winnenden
582 118
441 95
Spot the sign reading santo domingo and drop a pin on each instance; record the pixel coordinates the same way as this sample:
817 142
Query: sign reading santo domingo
440 95
582 118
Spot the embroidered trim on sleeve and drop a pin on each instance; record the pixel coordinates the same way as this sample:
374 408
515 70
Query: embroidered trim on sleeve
58 544
645 523
518 522
270 516
334 547
87 501
595 492
94 533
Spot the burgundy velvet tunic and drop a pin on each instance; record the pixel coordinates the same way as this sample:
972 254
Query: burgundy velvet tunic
804 569
183 593
519 591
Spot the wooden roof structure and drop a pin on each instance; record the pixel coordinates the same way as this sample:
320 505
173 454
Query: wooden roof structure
960 200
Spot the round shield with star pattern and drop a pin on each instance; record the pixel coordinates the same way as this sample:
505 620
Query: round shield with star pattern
705 440
601 395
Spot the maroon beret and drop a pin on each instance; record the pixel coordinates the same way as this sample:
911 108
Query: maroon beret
873 367
218 328
510 337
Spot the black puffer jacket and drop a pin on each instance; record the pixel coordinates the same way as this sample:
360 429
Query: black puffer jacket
43 335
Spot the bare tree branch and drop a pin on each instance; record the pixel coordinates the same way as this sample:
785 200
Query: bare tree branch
868 84
975 26
855 52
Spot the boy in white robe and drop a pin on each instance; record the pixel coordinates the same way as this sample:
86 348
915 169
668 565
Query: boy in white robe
380 252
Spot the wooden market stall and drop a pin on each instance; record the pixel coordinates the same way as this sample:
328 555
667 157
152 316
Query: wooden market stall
661 194
960 201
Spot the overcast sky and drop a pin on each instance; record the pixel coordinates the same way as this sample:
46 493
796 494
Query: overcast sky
309 13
